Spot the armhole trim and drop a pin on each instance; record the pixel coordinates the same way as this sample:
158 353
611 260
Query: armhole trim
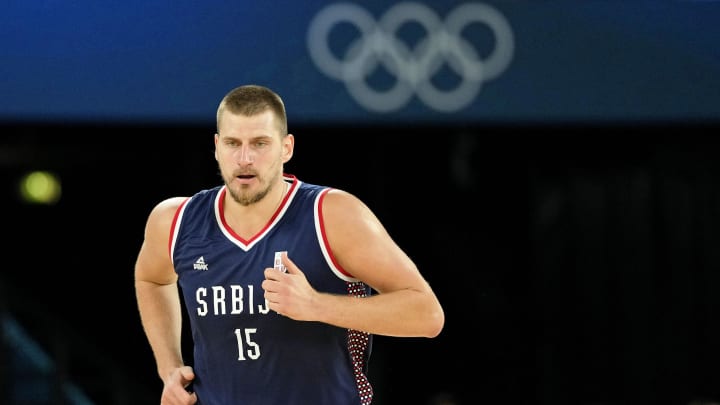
177 218
322 239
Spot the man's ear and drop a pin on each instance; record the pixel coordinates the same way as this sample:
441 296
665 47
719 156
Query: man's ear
288 147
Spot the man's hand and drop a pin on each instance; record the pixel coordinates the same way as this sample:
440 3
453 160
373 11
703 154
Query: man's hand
289 293
175 388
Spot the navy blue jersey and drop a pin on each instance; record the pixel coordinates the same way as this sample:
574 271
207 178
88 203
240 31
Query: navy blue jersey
243 352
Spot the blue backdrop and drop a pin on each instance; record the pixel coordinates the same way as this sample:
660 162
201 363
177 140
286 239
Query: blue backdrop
369 61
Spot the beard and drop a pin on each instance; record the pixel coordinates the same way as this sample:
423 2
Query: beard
244 196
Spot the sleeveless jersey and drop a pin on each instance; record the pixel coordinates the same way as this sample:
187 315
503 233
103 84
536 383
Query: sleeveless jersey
243 352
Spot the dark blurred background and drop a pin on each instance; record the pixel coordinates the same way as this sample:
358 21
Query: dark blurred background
550 166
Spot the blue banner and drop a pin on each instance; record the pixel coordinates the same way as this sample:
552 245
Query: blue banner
367 62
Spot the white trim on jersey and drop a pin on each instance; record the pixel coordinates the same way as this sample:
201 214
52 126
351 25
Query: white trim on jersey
324 245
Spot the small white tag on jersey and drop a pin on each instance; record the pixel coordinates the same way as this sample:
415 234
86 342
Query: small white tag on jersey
278 262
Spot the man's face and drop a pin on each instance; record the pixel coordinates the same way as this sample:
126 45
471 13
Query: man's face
250 154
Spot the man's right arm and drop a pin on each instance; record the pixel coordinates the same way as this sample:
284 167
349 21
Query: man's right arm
156 289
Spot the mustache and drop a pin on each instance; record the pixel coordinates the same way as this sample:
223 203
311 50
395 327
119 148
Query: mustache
244 173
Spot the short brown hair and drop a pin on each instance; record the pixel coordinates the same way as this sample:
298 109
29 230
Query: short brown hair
252 99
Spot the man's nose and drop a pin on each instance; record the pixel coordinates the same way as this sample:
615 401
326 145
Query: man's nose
245 155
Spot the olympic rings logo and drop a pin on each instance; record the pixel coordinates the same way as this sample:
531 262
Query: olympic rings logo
413 67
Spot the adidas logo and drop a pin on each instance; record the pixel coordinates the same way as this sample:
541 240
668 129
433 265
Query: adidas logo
200 264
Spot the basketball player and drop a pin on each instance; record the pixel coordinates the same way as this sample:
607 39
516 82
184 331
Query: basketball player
284 282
